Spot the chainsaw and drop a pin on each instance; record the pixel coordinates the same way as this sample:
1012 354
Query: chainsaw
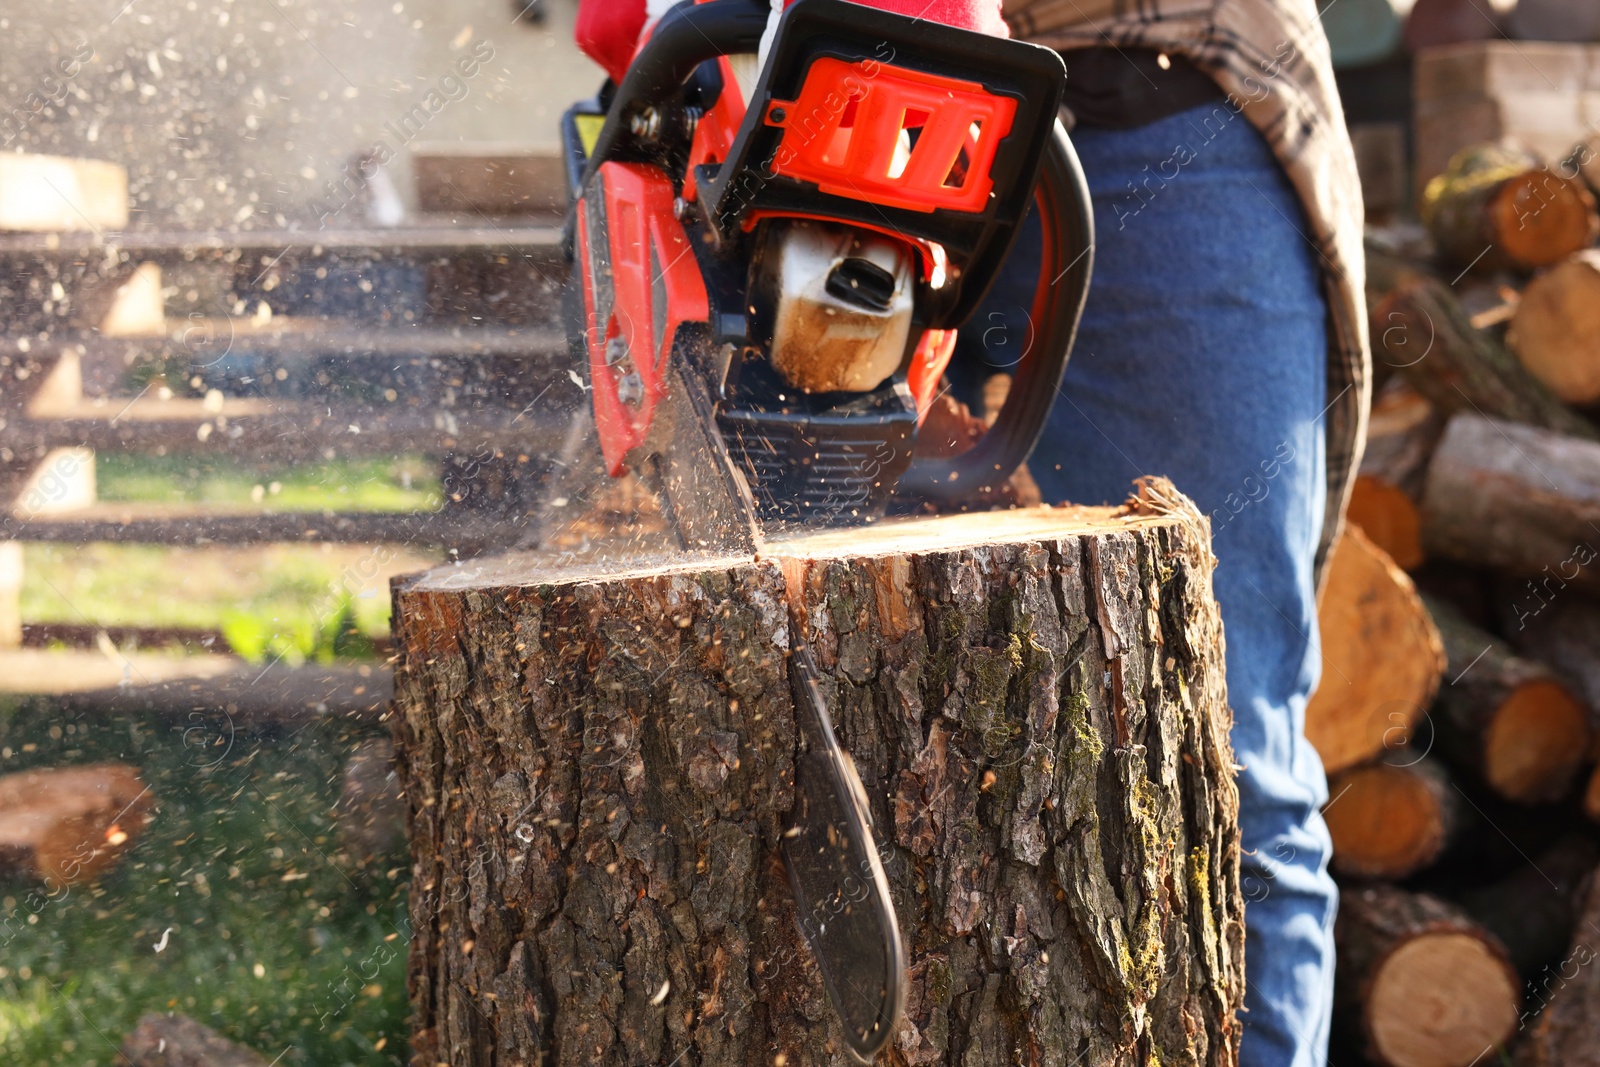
776 231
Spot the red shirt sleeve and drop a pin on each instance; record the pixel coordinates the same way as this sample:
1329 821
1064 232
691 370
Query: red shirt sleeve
980 15
608 31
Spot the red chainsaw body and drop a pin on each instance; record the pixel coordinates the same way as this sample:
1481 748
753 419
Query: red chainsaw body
791 250
840 133
637 291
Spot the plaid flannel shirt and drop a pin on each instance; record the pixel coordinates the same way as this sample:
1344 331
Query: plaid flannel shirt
1271 58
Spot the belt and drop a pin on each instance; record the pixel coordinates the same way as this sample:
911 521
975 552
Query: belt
1120 88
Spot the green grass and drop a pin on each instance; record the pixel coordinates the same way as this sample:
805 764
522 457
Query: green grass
274 940
272 600
286 588
390 484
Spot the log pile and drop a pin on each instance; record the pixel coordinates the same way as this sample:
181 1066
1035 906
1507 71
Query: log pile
1464 800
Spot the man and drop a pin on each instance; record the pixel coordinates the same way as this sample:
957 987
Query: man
1223 345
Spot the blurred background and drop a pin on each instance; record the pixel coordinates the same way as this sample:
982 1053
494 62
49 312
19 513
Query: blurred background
275 318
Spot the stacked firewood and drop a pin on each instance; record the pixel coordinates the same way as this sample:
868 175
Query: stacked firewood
1459 709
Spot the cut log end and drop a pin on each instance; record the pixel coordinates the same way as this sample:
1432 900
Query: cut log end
1386 821
1390 518
1556 329
1424 984
1536 742
1538 218
1381 657
1441 1000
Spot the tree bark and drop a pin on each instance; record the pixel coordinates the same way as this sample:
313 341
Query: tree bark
1515 497
598 769
1392 818
1421 982
1506 720
1534 911
1426 335
1566 1032
1558 627
1381 657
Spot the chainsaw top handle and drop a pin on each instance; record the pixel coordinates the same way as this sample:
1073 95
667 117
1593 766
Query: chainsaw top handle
1062 201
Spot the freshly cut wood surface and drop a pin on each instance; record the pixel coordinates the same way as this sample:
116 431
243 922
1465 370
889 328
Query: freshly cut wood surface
1565 1030
1402 431
1422 983
1556 329
1514 497
1494 209
1381 657
67 824
1392 818
1426 335
1389 518
598 769
1508 720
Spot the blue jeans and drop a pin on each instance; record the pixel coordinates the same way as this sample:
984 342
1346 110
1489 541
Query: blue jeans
1203 356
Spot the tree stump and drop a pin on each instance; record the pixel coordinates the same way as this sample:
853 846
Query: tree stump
598 769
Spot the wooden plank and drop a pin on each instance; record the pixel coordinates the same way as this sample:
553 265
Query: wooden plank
539 241
249 695
48 194
294 337
46 635
241 694
286 429
491 178
156 524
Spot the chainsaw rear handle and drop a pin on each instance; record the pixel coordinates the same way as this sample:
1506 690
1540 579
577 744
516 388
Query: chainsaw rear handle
1066 214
